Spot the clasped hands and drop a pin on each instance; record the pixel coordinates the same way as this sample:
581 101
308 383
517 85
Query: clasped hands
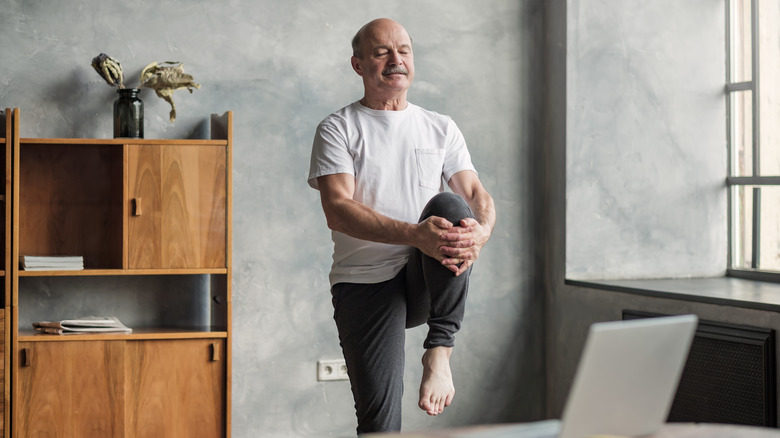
456 246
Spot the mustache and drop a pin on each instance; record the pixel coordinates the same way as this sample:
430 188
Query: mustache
395 70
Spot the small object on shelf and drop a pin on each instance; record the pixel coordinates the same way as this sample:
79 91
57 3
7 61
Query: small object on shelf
87 324
52 263
128 108
109 69
128 114
166 78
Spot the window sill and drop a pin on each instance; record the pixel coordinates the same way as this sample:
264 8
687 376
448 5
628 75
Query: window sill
726 291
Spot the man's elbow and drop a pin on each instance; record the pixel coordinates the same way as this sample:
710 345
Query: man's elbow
333 220
333 225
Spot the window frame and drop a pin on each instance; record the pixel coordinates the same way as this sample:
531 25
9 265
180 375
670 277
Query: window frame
756 181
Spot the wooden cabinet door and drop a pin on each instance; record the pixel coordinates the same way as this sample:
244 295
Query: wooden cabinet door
70 389
177 196
176 388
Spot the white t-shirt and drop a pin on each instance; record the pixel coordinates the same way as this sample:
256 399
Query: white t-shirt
398 159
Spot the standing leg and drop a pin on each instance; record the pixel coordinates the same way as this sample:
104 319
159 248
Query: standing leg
436 296
371 323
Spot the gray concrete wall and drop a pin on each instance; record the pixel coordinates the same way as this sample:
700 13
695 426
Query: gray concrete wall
646 139
637 184
282 66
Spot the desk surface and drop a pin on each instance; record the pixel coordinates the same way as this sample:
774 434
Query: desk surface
715 431
672 430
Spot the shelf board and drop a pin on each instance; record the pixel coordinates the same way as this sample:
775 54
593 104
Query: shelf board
29 335
104 272
120 141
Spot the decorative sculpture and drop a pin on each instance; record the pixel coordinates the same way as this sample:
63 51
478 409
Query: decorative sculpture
164 79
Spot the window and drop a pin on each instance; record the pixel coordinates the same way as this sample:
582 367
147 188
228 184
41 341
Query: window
753 103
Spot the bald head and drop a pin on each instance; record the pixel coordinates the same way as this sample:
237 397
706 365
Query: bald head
368 29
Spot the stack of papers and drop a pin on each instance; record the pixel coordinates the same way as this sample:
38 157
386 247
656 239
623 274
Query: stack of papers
87 324
52 263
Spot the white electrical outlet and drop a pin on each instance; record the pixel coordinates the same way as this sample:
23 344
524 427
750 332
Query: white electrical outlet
335 369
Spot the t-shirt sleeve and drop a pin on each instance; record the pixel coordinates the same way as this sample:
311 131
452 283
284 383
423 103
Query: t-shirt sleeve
457 157
329 153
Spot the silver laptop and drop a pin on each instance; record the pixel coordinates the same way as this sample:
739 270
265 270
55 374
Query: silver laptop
624 385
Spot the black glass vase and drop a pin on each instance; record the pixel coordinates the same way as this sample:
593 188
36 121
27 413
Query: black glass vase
128 114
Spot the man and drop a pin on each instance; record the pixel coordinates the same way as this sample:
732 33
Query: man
378 164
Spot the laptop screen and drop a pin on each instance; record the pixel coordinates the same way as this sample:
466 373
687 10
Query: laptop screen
627 376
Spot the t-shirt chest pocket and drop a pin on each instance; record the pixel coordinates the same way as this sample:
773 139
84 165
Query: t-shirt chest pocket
429 167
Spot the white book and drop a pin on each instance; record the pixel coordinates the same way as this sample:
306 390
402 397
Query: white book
52 259
52 263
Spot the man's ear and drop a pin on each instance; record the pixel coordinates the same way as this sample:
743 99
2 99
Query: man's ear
356 65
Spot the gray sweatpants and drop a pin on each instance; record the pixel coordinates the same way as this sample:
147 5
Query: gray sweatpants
372 318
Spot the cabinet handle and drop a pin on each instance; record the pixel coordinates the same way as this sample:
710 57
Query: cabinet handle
137 207
214 352
26 358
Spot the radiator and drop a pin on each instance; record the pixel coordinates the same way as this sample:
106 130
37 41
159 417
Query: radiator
729 376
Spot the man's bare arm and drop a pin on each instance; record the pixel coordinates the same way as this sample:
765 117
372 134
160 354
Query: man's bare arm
357 220
465 240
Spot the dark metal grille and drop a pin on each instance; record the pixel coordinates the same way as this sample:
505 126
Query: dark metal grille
729 377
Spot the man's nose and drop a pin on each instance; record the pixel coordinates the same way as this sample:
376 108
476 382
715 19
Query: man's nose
395 58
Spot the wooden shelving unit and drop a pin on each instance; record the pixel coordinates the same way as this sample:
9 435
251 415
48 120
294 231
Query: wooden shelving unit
152 220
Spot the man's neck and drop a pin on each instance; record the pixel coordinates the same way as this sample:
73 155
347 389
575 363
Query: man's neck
398 104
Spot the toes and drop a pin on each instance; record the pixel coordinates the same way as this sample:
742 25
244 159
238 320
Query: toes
434 405
431 406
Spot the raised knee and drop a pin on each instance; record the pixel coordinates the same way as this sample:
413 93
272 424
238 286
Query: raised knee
449 206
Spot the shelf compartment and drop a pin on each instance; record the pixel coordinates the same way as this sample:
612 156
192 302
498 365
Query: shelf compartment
138 301
177 207
70 202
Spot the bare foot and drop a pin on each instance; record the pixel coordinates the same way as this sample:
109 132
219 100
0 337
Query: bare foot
436 388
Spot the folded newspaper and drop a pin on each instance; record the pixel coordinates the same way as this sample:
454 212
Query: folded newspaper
87 324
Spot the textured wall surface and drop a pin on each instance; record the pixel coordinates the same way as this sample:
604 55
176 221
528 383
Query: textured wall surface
638 183
282 66
646 139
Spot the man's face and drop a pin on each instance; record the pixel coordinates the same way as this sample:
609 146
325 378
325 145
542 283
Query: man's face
387 63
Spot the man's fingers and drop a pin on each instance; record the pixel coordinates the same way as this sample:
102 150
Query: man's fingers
468 222
440 222
455 233
460 268
461 249
463 267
